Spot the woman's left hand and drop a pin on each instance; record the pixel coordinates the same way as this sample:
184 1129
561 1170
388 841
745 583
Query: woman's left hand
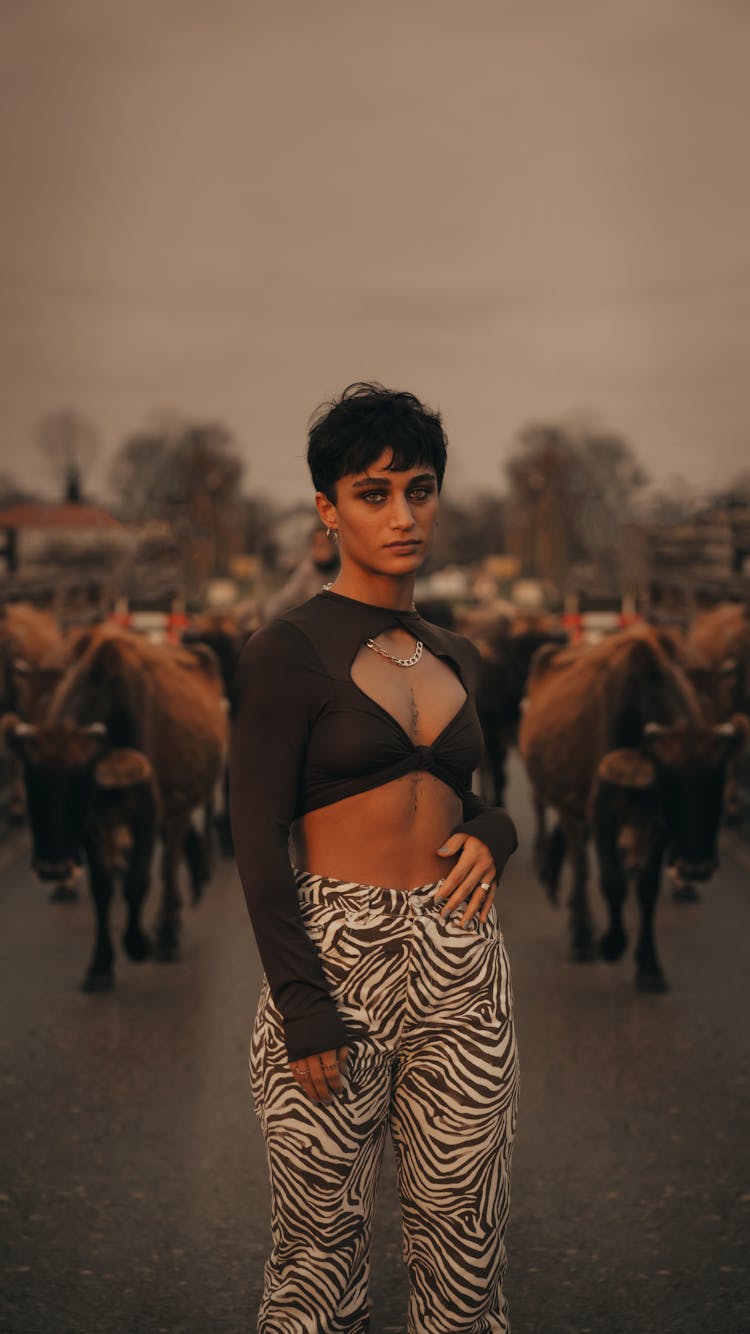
473 880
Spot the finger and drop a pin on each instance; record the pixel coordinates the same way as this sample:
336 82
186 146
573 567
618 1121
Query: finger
304 1079
452 845
487 905
476 902
318 1079
331 1073
343 1057
455 876
474 875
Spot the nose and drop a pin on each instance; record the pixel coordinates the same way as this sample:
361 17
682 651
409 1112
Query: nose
401 515
696 870
59 870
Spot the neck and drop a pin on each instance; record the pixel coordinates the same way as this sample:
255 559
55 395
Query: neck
381 590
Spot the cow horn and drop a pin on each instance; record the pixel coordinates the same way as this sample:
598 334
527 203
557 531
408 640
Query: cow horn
728 666
21 666
725 729
96 729
24 729
654 729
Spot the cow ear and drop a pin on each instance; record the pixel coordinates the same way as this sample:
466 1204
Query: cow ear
736 732
121 768
14 731
627 768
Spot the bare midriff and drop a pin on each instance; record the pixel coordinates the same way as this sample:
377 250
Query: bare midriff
387 836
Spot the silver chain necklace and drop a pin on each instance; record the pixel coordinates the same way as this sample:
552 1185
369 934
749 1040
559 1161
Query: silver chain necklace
398 662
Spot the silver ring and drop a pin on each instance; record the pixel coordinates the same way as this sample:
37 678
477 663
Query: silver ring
484 885
302 1074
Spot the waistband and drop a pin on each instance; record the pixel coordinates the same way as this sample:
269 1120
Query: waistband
353 897
327 889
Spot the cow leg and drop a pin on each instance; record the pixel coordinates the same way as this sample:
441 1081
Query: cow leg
732 803
493 767
539 847
67 890
649 974
581 934
197 860
168 923
614 887
136 886
17 792
223 822
99 974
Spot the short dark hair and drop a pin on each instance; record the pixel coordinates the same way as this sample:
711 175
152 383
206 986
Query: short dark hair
351 432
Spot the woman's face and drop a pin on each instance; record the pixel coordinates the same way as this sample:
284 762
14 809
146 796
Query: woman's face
385 520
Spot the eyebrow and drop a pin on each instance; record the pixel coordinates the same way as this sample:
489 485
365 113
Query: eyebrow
386 481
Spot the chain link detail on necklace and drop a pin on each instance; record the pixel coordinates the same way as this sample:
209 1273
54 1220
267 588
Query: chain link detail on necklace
399 662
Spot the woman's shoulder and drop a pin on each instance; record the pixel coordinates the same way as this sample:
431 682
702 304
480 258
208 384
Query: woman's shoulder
281 645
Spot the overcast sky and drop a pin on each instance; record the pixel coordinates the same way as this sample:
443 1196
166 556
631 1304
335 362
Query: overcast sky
517 210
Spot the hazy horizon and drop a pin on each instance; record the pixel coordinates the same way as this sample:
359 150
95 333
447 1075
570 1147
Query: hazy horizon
517 212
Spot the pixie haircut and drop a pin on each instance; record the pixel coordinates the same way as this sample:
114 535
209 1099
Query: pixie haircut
348 434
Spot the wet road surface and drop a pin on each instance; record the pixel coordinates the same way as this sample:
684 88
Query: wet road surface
133 1187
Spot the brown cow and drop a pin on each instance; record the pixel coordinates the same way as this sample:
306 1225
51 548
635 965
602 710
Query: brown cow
166 703
721 638
28 635
628 695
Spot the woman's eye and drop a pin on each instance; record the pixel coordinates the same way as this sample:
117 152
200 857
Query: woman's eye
420 493
373 495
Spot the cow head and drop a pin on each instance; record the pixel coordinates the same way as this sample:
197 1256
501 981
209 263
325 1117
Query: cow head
67 769
690 764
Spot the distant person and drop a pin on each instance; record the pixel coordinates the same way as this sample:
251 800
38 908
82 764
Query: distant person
320 563
387 1001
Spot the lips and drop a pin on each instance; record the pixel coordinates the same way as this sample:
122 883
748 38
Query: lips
403 546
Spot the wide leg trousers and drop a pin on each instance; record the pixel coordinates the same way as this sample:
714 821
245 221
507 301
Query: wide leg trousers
433 1059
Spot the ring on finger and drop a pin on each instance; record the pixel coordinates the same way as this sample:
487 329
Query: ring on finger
484 885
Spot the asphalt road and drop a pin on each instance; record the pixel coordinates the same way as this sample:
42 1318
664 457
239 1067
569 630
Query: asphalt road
133 1178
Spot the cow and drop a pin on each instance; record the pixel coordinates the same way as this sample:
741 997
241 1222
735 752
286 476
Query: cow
624 697
167 703
506 651
28 635
721 639
225 636
106 811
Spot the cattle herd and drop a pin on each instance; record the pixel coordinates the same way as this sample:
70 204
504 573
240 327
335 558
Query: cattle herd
117 752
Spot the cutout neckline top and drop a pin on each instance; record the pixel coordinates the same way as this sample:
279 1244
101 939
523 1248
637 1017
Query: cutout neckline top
305 735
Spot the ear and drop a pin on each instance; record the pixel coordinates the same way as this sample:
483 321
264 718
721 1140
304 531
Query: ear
122 768
735 733
326 509
14 732
627 768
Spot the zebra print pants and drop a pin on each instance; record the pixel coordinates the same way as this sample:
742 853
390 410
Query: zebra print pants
433 1057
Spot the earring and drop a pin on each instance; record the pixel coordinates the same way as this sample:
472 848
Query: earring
332 532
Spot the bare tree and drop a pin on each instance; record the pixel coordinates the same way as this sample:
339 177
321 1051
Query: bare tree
70 445
572 487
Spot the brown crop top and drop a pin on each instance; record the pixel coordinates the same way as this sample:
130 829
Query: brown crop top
304 736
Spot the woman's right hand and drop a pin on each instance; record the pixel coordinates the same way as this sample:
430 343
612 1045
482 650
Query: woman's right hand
319 1076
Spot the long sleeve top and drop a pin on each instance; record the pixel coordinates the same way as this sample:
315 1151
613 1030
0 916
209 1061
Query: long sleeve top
304 736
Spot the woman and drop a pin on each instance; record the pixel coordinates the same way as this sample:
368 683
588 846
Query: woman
387 996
